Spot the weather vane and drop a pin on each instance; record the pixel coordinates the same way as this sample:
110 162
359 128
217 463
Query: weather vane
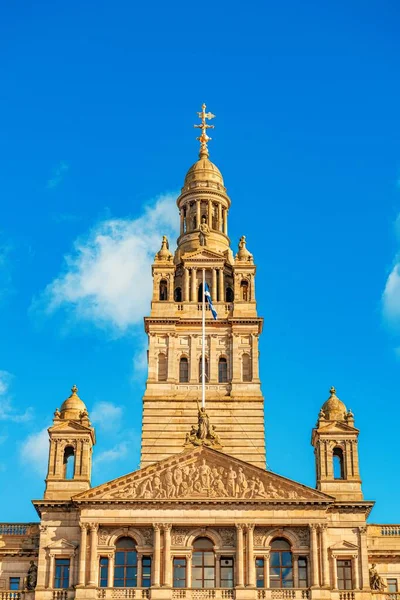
204 138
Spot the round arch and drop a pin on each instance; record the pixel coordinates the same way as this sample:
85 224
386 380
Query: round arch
287 534
208 533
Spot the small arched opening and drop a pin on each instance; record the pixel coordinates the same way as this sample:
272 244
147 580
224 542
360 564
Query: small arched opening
244 290
69 462
281 564
178 294
125 563
222 370
338 463
163 290
229 294
162 367
184 370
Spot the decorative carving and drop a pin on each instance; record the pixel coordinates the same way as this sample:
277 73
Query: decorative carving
204 434
178 536
103 536
147 533
375 580
243 254
202 474
303 533
228 536
204 231
259 535
204 138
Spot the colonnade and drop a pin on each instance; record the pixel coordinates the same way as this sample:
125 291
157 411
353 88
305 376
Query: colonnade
191 283
221 220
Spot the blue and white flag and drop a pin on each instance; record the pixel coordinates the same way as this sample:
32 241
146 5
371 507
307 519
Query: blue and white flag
208 298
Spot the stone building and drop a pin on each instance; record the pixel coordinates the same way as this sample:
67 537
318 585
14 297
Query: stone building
202 518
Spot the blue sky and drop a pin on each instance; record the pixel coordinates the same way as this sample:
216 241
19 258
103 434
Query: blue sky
97 107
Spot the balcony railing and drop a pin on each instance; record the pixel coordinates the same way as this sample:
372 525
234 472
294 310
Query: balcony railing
10 595
127 593
390 530
272 594
204 594
18 528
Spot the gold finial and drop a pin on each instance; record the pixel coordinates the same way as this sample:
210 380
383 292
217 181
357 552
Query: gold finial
204 138
333 391
74 389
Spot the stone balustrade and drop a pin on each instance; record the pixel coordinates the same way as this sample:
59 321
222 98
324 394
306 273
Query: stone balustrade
123 593
19 529
290 594
203 594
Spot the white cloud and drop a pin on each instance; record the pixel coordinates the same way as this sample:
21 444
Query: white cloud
34 452
107 456
7 411
107 278
58 175
106 415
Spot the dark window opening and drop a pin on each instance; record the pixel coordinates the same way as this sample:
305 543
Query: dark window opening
222 370
246 368
344 575
244 290
162 367
303 578
163 290
229 294
260 572
178 294
179 568
184 370
103 575
338 464
200 293
69 462
392 587
146 571
125 565
14 583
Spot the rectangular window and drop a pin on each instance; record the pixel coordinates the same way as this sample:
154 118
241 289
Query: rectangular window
103 571
146 571
260 572
179 572
226 571
344 575
392 586
61 573
303 579
14 583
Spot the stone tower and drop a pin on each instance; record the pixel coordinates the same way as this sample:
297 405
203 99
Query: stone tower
70 456
335 440
234 401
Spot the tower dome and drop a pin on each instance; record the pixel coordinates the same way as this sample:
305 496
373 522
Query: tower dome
202 171
73 406
334 409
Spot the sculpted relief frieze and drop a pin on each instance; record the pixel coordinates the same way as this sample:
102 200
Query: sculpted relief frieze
201 476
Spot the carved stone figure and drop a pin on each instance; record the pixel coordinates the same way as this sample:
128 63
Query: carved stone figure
375 580
31 579
205 433
231 482
205 472
241 482
204 231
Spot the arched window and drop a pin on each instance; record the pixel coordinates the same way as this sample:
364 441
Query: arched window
162 367
206 372
163 290
200 293
222 370
183 370
178 294
246 367
69 462
244 290
338 464
125 564
203 564
281 564
229 294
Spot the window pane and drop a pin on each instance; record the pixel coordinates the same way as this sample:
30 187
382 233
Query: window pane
275 559
119 558
197 559
392 585
286 559
14 583
209 558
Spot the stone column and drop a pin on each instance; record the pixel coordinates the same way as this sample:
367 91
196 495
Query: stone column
170 287
314 556
156 555
356 572
78 459
325 557
185 284
72 579
110 573
239 553
193 295
254 357
139 570
295 571
214 284
93 554
213 366
50 583
221 291
363 558
235 362
189 571
251 577
219 216
335 583
226 221
198 213
266 569
181 218
167 555
193 362
210 214
82 555
252 288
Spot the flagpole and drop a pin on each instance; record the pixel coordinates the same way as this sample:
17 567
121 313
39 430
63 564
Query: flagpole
203 345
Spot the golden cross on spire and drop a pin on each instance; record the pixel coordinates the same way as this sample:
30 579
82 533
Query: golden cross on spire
204 138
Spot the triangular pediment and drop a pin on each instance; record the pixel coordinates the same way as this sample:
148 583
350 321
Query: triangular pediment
203 254
336 427
343 545
69 426
61 544
203 474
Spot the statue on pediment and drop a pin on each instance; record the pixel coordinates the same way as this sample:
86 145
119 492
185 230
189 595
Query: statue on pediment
205 433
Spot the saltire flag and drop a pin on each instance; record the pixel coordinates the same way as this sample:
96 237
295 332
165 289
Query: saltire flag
208 298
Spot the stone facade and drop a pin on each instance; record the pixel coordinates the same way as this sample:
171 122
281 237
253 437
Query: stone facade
202 518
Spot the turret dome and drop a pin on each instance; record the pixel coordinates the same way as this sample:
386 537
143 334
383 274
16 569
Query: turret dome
73 406
334 409
203 170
